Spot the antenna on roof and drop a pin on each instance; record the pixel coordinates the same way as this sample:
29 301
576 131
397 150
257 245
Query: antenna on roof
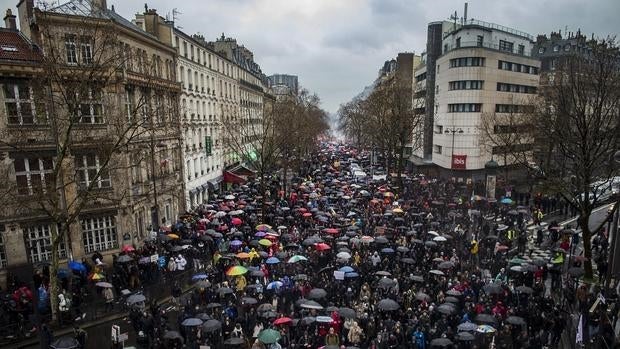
454 17
175 14
465 15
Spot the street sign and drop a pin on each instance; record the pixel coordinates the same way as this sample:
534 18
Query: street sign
154 258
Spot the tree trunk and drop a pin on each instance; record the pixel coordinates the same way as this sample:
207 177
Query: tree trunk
53 290
586 235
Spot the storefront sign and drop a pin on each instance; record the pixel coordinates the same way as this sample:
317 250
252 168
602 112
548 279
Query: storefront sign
459 162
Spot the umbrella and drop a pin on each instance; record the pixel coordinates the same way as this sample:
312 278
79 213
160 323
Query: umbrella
383 273
524 289
265 242
322 246
454 293
486 319
249 300
441 342
347 313
272 260
236 221
317 293
407 260
387 305
65 343
274 285
493 288
430 243
77 266
203 284
104 284
308 304
576 272
381 240
172 335
201 276
264 307
263 227
485 329
446 309
465 336
385 283
135 298
191 322
440 239
417 278
225 290
437 272
234 341
515 320
387 250
421 296
451 299
506 201
346 269
467 326
203 316
351 275
124 259
211 325
282 321
269 336
297 258
446 265
343 255
236 270
308 320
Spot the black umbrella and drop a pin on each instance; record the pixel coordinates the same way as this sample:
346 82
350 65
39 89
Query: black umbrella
493 288
417 278
172 335
454 293
65 343
515 320
446 308
524 289
421 296
486 319
576 272
387 305
347 313
465 336
264 307
234 341
385 283
317 293
441 342
211 325
204 316
407 260
467 326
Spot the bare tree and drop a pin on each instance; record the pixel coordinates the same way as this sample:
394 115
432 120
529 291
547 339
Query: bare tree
577 129
86 129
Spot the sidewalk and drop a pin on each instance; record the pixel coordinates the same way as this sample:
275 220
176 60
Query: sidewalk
96 316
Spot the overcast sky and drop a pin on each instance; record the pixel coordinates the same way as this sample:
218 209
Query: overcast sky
337 46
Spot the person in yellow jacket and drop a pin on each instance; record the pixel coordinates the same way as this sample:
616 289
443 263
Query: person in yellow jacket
241 283
216 257
253 254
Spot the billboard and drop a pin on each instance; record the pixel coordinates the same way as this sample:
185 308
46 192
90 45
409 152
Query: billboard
459 162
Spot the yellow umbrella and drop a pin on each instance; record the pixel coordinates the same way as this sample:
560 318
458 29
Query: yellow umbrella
173 236
397 210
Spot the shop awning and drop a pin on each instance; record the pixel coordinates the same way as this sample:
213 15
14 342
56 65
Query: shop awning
242 170
232 178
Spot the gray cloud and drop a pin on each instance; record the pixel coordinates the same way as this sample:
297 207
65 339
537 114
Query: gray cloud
337 46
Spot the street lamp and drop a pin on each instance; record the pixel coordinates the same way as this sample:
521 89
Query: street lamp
454 131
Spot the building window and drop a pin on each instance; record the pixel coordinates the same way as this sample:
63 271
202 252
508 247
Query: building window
466 85
130 98
541 50
33 175
71 49
91 173
39 243
516 67
556 48
553 64
464 108
503 87
99 234
567 47
437 149
506 46
458 42
91 107
521 49
512 108
479 40
3 261
467 62
20 105
86 47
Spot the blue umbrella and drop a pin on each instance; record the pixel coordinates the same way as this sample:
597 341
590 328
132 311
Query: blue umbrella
346 269
387 250
351 275
199 277
274 285
272 260
506 201
236 243
77 266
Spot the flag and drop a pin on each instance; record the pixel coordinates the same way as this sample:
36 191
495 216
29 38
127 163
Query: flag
579 337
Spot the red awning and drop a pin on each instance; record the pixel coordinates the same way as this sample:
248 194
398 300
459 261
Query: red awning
230 177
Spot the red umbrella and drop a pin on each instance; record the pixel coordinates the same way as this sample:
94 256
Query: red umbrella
282 321
322 246
331 230
236 221
303 209
128 248
307 214
502 248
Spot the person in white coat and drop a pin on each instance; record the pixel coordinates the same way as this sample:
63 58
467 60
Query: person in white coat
181 262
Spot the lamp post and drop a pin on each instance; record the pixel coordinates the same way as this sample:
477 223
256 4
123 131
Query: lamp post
613 264
454 131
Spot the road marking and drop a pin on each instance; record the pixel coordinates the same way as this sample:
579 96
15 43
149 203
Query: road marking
593 211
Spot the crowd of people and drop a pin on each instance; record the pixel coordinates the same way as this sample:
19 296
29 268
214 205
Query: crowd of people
338 262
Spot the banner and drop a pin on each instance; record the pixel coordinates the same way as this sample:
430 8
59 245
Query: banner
459 162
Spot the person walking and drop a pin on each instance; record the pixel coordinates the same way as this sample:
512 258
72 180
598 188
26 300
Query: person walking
108 297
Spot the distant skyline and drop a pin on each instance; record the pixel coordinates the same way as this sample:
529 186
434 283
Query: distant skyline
337 46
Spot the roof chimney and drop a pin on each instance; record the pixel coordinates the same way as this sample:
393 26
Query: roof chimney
9 20
25 13
100 4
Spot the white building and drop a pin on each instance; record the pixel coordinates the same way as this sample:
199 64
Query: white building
484 68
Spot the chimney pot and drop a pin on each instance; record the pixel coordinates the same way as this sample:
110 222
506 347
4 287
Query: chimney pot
9 20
